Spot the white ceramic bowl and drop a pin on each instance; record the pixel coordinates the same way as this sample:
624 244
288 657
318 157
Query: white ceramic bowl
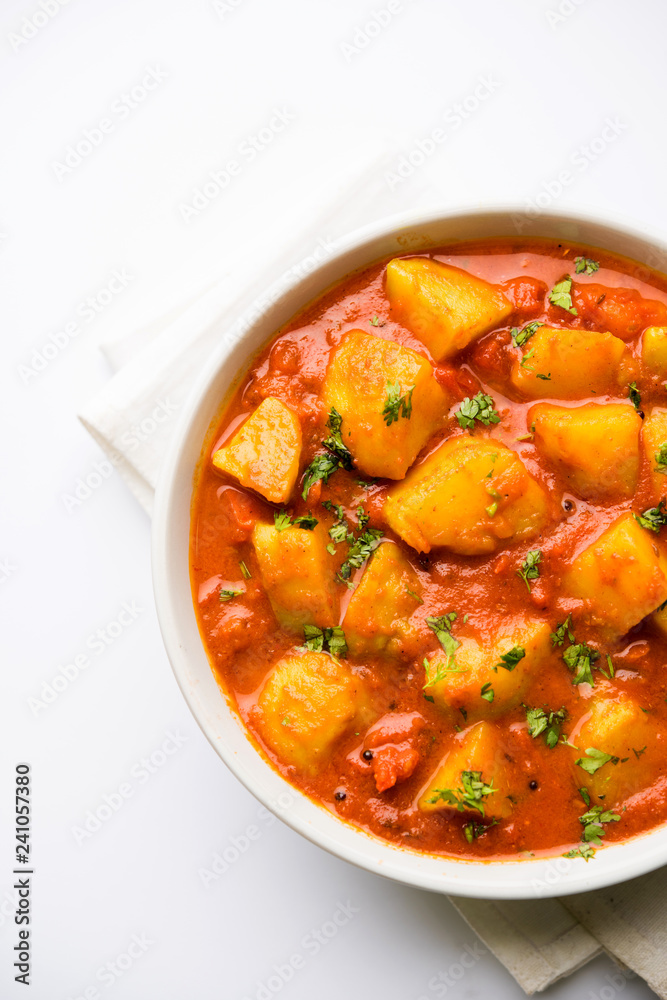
171 529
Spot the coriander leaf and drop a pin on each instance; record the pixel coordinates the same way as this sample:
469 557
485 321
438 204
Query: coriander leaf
473 830
634 396
481 407
594 760
584 851
305 521
227 595
584 265
526 358
245 571
521 336
510 659
561 295
374 321
562 630
281 520
321 640
470 796
397 405
546 378
334 442
412 594
529 570
487 692
442 626
362 518
579 658
322 467
592 821
441 669
585 796
359 552
653 518
661 459
547 723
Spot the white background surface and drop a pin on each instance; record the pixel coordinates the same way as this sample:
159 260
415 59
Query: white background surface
220 71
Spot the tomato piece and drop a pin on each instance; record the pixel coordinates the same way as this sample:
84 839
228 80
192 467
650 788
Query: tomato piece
621 311
526 295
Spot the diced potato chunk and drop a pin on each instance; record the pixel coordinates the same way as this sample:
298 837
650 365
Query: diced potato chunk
442 306
307 702
654 436
377 619
362 372
470 495
596 446
298 575
477 749
621 577
264 453
579 363
478 667
654 350
616 726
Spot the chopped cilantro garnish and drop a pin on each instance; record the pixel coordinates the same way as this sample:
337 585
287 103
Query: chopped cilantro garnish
545 378
359 552
228 595
322 467
487 692
595 759
374 321
592 821
481 407
473 830
442 627
470 796
639 752
584 851
634 396
579 659
653 518
529 570
283 520
397 405
526 358
441 669
320 640
362 518
547 723
510 659
562 630
661 459
561 295
334 442
584 265
521 336
413 595
245 571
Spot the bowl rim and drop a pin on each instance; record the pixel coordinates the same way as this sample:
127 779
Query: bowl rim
524 878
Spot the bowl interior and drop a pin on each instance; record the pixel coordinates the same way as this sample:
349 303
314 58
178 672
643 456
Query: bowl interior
524 878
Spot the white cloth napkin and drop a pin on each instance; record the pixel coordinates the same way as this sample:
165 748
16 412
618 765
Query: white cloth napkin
539 941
